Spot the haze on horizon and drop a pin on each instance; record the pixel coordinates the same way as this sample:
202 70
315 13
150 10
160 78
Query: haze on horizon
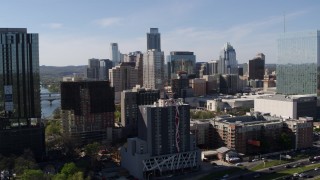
71 32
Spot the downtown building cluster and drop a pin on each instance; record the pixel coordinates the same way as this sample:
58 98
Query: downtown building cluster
156 98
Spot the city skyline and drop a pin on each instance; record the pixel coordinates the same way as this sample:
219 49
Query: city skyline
72 32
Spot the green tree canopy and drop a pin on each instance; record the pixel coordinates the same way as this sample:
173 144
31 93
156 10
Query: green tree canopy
69 169
30 174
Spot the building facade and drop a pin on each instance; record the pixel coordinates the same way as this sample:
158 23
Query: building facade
93 69
20 126
256 67
154 40
87 111
114 54
164 144
123 76
130 102
298 67
105 65
153 69
181 61
291 107
227 61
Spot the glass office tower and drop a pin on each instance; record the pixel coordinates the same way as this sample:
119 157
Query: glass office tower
20 111
298 70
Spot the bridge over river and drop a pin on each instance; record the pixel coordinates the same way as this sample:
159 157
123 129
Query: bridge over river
50 97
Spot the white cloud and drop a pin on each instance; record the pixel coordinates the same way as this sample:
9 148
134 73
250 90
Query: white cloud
53 25
105 22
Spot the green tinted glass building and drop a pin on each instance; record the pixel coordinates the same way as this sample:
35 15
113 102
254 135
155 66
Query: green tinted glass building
298 68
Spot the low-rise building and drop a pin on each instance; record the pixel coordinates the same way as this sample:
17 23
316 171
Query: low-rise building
287 106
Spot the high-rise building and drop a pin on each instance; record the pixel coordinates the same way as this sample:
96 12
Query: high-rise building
227 62
153 40
139 67
123 77
164 143
180 85
93 69
298 68
114 54
213 67
201 69
105 65
130 102
87 110
153 69
20 126
181 61
256 67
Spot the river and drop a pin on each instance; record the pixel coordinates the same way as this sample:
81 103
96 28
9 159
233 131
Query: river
46 108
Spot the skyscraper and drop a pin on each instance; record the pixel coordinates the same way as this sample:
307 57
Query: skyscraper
153 39
298 68
114 53
20 93
256 67
130 102
153 69
123 77
179 61
105 65
228 62
93 69
164 143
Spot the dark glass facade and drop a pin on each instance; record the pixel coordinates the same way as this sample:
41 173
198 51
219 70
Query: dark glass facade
20 108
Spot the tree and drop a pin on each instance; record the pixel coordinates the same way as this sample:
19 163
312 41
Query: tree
32 174
21 164
285 141
92 149
69 169
53 128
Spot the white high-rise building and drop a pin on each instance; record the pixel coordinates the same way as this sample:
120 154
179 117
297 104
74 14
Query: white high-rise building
114 53
153 69
228 63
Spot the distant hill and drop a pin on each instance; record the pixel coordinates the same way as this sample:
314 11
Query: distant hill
55 72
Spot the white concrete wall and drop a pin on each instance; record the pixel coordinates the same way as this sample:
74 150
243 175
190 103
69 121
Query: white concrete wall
279 108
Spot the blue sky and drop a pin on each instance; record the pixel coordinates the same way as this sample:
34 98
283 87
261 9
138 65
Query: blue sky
73 31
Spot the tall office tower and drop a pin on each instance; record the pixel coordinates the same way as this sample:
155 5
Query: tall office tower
256 67
201 69
87 110
229 83
180 85
105 65
153 69
181 61
139 67
298 68
123 77
130 102
20 126
153 40
245 67
228 63
114 54
164 143
213 67
93 69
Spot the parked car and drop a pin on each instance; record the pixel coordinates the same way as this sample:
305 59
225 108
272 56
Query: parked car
287 166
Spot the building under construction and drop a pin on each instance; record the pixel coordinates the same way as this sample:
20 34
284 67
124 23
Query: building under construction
87 109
